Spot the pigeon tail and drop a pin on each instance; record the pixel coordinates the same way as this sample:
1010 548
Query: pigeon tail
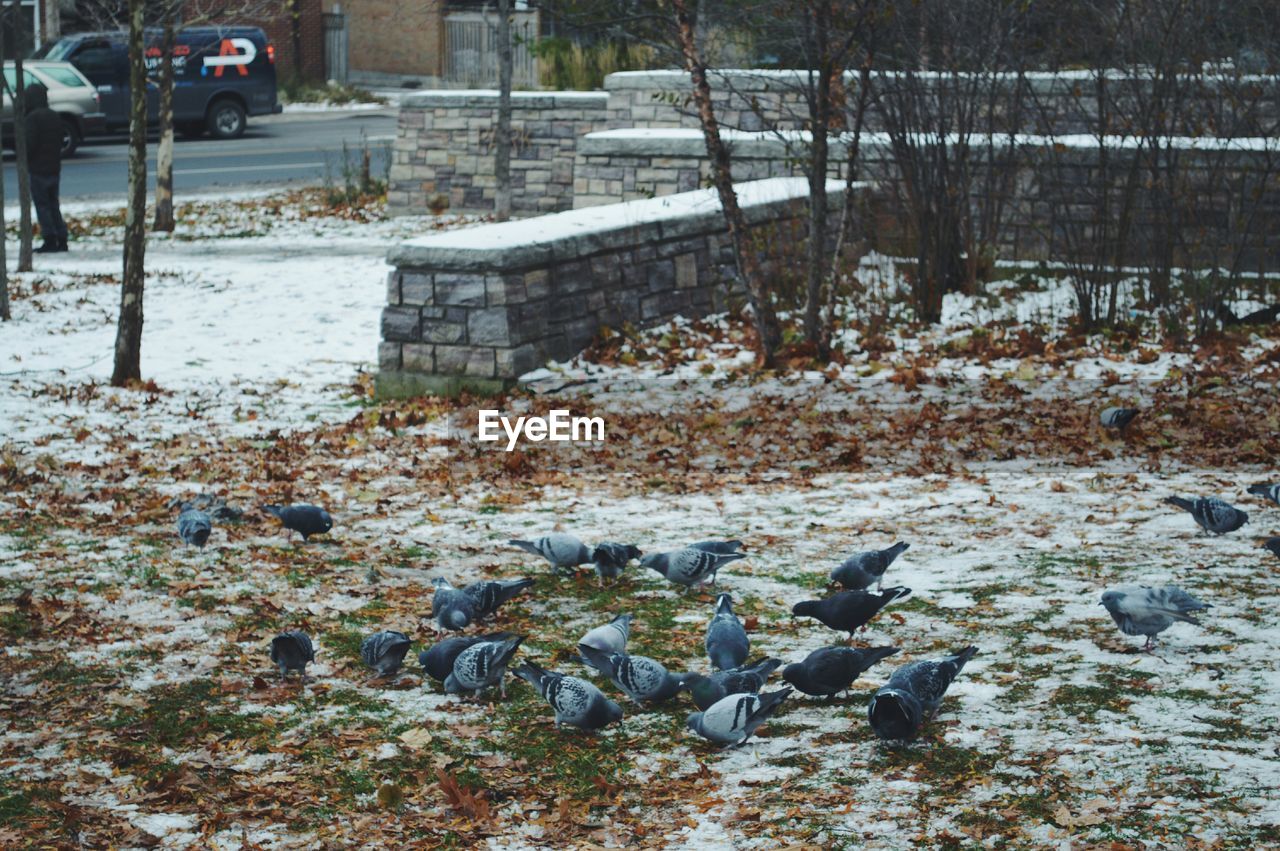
896 593
724 604
769 703
527 546
274 510
963 656
1184 504
530 673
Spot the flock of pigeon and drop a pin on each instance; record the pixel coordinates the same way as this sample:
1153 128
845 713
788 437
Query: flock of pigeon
731 699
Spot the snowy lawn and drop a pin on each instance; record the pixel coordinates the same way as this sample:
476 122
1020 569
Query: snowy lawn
140 707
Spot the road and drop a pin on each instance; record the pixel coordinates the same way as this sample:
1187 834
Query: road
291 148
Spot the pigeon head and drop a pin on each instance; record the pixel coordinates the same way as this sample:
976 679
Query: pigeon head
1272 544
1111 599
655 561
612 711
895 715
794 674
807 609
702 689
694 721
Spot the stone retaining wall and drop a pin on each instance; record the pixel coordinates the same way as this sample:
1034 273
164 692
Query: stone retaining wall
481 306
443 156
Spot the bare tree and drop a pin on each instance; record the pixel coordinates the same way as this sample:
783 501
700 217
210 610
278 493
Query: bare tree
18 97
128 352
502 131
164 220
5 313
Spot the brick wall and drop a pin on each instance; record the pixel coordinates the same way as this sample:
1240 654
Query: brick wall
276 20
396 36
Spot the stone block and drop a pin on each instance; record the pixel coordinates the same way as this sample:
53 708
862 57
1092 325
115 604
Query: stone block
444 331
462 290
686 271
393 287
475 361
389 355
515 362
415 288
537 284
488 327
401 324
417 357
504 289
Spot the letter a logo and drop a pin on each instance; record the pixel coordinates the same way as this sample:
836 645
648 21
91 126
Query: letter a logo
229 49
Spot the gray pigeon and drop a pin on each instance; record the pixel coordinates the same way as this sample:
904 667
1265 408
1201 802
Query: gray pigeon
216 507
913 693
706 690
577 702
452 609
609 639
861 569
488 595
306 520
727 642
1266 491
846 611
438 660
733 719
642 679
720 548
1117 419
482 666
563 551
690 565
1272 544
385 651
194 526
291 651
1211 514
828 671
611 559
1150 611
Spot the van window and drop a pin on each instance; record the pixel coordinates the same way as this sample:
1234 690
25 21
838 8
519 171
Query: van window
97 62
65 76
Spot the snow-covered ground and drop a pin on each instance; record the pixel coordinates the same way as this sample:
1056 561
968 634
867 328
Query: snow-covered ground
140 705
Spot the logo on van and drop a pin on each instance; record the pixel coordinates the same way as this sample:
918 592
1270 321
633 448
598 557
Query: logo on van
229 54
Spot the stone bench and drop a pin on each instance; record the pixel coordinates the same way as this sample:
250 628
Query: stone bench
478 307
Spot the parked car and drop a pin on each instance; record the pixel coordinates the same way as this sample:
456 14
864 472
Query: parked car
221 76
71 95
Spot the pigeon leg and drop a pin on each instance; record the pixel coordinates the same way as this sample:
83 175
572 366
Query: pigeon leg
1150 646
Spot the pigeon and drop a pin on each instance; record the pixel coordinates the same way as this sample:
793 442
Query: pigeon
748 679
1117 419
194 526
576 701
1212 514
861 569
1272 544
610 559
727 643
912 694
291 651
482 666
720 548
487 595
384 651
690 565
561 550
849 610
1150 611
731 720
216 507
1271 492
828 671
438 660
610 638
306 520
642 679
452 609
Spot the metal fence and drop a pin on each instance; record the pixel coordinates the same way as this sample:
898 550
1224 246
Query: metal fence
335 47
471 49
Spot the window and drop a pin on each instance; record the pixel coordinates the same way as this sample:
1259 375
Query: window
97 62
11 79
63 76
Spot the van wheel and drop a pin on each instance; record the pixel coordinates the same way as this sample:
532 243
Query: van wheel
70 139
226 120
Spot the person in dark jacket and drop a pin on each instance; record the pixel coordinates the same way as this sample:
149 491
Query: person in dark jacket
44 166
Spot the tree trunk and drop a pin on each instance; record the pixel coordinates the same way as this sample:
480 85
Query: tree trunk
164 153
818 23
128 360
502 132
5 314
766 320
295 31
20 142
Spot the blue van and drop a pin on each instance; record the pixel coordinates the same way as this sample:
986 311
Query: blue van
221 75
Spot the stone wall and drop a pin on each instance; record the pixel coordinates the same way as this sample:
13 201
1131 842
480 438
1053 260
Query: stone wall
481 306
443 155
